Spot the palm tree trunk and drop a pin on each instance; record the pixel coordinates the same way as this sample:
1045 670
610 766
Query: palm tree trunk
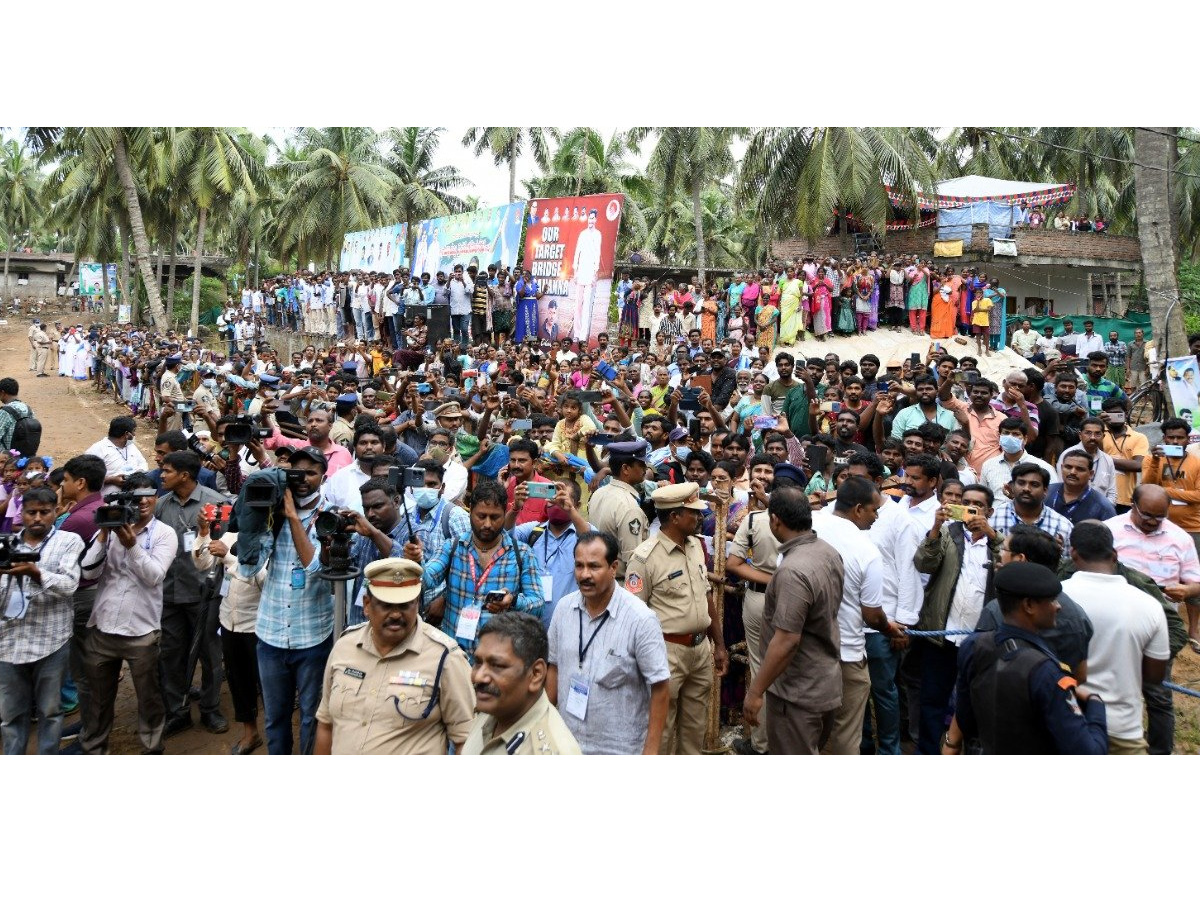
171 269
257 279
126 293
697 220
140 243
512 178
104 289
1155 155
7 254
196 272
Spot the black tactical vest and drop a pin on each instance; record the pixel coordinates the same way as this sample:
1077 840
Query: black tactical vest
1000 694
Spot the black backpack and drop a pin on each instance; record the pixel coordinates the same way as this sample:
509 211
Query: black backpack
27 434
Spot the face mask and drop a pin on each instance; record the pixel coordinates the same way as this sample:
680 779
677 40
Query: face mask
268 395
426 497
210 383
1010 443
439 455
682 453
556 515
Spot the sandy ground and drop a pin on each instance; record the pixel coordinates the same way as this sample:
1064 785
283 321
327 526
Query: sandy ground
74 416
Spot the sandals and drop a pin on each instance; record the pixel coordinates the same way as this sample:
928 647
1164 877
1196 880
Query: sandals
1195 644
238 750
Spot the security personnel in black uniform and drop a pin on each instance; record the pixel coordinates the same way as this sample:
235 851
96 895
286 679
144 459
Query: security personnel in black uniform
1014 695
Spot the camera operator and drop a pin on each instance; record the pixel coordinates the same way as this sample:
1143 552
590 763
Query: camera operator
188 619
238 461
35 631
129 564
171 442
295 612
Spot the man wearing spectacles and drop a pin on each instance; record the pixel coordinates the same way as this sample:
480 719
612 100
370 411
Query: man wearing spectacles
1146 541
395 685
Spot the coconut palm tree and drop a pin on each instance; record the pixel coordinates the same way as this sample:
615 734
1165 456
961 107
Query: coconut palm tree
20 184
1156 156
508 144
803 175
693 159
422 189
216 164
337 183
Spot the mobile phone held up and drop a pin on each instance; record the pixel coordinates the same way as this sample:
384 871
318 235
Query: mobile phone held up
541 490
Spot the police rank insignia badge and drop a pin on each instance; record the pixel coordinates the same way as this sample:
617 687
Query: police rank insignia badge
635 527
633 582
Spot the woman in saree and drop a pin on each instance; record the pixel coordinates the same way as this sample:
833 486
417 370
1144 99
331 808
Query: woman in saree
767 317
631 313
709 309
944 319
790 316
526 292
822 303
918 299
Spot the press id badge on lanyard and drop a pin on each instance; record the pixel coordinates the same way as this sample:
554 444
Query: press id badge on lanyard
468 622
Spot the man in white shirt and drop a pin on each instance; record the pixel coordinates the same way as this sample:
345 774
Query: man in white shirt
997 471
1130 648
342 487
121 456
1088 342
896 535
922 474
1024 340
844 529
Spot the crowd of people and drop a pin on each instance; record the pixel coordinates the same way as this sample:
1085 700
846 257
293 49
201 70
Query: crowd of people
555 548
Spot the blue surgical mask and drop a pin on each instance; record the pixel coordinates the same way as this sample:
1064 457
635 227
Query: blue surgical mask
210 383
1010 443
426 497
682 453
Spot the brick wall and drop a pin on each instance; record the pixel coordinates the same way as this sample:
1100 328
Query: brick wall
1077 244
834 245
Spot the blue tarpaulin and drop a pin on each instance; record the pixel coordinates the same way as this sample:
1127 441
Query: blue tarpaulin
955 224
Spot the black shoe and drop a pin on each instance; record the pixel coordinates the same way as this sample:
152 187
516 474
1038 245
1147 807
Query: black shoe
214 723
42 375
743 747
176 724
194 694
72 730
72 749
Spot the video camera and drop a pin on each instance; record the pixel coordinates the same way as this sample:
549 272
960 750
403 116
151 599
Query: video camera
14 551
336 526
121 508
245 430
262 496
400 478
197 446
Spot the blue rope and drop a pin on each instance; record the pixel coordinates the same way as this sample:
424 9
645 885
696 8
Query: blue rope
1181 689
927 634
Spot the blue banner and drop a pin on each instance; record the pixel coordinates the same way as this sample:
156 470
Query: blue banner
476 238
377 250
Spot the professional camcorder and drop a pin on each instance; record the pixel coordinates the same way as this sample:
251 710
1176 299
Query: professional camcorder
121 508
14 551
245 430
262 496
336 526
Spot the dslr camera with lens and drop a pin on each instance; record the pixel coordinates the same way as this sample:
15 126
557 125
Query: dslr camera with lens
121 508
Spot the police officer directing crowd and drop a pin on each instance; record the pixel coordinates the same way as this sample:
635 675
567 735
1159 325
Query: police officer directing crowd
669 574
394 685
1014 696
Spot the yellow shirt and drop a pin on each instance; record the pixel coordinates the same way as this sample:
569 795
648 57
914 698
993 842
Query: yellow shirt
979 314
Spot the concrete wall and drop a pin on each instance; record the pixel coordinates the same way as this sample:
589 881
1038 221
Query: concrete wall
41 285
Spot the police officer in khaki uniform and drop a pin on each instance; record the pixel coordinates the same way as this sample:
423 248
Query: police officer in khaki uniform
516 717
395 685
616 507
41 345
669 574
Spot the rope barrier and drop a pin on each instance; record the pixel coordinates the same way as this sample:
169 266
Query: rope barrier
1181 689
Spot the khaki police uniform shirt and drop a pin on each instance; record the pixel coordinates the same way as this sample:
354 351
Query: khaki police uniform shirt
673 582
363 691
756 545
542 731
169 387
615 509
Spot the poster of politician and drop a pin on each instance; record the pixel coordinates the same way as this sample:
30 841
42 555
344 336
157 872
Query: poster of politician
569 250
377 250
91 278
1183 381
476 238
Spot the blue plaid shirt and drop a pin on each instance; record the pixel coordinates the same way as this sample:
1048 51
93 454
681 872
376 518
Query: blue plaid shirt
294 618
1054 524
452 566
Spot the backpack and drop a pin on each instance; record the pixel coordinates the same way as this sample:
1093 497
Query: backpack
27 433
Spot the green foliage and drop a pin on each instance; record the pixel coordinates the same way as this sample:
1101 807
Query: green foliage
213 293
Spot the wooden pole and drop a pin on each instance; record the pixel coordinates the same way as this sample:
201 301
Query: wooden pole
712 737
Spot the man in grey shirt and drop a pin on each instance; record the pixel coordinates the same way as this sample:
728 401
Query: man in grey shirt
186 609
608 674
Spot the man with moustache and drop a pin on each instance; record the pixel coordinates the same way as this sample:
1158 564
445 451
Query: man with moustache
516 717
395 685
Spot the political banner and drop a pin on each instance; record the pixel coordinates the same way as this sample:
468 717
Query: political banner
477 238
1183 382
376 250
569 247
91 277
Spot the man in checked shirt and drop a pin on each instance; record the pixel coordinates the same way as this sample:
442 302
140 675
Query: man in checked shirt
36 624
485 573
